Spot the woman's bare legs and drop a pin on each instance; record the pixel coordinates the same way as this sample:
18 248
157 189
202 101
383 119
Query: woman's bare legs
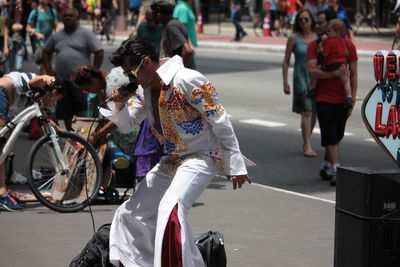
308 120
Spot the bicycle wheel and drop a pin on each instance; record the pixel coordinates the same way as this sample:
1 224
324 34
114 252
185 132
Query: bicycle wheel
59 191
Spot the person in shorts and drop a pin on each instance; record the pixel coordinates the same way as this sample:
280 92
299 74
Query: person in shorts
13 87
330 97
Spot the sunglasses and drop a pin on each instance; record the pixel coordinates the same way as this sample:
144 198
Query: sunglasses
132 75
304 20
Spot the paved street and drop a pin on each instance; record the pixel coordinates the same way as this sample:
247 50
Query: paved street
285 219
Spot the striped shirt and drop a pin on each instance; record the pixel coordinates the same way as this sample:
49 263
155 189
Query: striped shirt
21 86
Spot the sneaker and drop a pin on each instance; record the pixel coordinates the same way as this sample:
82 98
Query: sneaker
326 173
9 203
20 202
348 102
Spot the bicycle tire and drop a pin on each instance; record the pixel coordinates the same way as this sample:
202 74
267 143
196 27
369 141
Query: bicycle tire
69 192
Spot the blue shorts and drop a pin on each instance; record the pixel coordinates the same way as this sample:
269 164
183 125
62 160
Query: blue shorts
4 106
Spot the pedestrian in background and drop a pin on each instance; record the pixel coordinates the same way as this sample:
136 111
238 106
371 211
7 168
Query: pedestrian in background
292 11
73 47
303 34
330 97
175 40
274 17
341 14
42 22
236 15
134 7
312 5
184 13
150 30
14 44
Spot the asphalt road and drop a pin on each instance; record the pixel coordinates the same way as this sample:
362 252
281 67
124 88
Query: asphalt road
262 227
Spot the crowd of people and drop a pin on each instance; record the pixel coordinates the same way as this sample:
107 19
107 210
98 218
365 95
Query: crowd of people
185 136
185 139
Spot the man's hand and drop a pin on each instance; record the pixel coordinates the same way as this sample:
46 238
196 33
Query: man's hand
40 81
40 36
239 180
120 98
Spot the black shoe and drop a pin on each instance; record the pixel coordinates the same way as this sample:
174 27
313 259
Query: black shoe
333 180
244 34
326 174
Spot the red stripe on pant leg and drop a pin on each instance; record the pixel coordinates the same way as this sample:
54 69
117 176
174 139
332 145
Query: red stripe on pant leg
172 243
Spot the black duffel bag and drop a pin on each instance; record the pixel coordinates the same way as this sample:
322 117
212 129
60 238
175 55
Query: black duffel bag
95 253
211 246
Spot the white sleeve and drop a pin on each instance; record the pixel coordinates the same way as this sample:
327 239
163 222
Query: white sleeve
132 114
203 96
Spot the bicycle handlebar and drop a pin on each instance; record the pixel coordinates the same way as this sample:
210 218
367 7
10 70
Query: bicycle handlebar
36 93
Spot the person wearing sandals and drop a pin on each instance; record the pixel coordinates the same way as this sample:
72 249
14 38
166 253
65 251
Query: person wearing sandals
303 33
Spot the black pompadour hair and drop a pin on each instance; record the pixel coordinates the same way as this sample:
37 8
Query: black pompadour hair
134 50
163 7
329 14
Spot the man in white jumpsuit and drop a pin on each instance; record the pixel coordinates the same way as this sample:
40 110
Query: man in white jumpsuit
152 228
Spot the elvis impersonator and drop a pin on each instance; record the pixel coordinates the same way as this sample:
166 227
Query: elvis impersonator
152 228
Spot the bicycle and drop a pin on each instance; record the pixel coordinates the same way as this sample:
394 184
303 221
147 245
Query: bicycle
59 162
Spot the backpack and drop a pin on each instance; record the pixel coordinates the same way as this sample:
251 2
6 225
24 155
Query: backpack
212 248
95 253
35 18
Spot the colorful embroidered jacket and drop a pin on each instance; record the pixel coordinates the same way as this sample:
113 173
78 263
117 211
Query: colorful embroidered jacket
192 120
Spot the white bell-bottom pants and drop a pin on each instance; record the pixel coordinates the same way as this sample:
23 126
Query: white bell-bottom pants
161 201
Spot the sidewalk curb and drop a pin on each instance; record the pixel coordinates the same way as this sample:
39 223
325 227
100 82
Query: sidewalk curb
252 47
263 48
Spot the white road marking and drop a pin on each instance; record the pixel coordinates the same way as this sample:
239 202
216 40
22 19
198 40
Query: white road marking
294 193
370 139
264 123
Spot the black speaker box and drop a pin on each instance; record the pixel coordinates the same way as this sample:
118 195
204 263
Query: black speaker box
367 219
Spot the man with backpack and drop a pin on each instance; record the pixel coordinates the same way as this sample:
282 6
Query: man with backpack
330 97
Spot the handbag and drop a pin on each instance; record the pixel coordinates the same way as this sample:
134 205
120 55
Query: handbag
212 249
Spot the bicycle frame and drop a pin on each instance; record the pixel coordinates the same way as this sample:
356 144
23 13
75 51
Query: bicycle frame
18 123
